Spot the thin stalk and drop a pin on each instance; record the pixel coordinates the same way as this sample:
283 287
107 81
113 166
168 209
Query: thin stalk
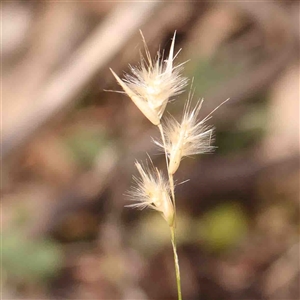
171 179
172 228
164 143
177 271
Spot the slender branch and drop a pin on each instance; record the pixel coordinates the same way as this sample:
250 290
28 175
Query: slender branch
164 143
177 271
171 179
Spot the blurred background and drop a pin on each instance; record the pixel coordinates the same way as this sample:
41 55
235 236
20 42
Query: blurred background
68 152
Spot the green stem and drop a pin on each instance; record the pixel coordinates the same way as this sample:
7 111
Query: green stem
177 271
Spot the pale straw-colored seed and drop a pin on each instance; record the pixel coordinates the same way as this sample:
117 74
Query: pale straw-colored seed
153 83
152 191
189 137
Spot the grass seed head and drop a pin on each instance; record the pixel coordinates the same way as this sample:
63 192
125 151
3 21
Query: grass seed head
189 137
151 84
152 191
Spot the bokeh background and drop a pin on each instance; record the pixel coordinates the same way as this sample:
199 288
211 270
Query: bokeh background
69 146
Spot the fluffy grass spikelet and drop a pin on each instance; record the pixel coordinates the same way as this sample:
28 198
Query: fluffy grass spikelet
153 83
152 190
189 137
